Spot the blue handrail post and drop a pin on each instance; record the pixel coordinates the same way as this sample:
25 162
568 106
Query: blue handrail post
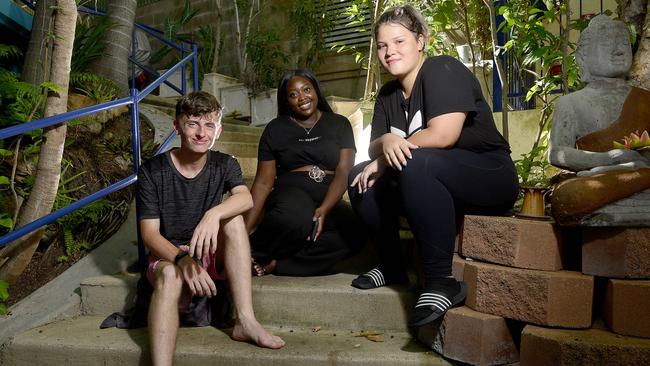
183 76
195 66
133 46
135 131
135 145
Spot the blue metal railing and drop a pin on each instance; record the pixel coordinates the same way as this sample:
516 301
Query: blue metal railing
188 55
517 88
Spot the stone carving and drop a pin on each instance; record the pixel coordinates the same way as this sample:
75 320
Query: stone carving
585 124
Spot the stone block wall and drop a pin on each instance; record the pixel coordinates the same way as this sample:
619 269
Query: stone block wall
526 304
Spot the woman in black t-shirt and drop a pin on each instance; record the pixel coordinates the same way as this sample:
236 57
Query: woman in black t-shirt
304 158
436 156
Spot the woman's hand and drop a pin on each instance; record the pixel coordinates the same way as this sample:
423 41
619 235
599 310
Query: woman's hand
396 150
319 217
369 175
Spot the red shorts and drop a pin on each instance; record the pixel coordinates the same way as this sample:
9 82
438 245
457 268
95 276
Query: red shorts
208 262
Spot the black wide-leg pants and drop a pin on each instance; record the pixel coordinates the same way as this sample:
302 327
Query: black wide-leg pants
287 222
436 187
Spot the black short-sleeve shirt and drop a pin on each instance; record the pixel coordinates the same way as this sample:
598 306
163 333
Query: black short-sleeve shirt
179 202
292 146
443 85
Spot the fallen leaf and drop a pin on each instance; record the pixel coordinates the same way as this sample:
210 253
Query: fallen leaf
374 338
366 333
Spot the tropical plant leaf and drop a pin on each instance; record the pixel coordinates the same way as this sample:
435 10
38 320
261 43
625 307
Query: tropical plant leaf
6 221
4 290
52 86
8 52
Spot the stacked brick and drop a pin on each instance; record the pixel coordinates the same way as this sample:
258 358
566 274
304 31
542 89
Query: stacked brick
520 275
622 256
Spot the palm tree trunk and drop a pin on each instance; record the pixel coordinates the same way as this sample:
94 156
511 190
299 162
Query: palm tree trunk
218 7
372 73
640 71
41 198
114 65
34 71
500 69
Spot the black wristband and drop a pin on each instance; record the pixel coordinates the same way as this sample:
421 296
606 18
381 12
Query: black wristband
180 256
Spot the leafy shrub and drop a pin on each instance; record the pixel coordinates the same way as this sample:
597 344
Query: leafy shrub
94 86
88 45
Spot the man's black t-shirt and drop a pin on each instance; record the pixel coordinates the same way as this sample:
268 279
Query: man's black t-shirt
179 202
443 85
292 146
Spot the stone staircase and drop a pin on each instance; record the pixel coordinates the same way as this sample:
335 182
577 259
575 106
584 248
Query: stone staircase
536 297
324 320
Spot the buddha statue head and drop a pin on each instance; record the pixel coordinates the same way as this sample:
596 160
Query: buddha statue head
604 50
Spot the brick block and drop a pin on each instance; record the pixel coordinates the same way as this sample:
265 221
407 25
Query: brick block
562 298
616 252
626 307
543 346
458 267
513 242
489 337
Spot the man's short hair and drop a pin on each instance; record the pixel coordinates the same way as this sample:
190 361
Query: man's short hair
197 103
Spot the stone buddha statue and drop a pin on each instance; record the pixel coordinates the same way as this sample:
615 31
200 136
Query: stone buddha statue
612 186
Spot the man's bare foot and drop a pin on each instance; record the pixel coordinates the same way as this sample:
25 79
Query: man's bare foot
252 331
260 270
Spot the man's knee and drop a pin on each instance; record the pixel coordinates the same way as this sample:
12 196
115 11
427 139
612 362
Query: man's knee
169 281
234 227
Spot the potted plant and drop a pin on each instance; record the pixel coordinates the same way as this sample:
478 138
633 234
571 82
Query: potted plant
534 179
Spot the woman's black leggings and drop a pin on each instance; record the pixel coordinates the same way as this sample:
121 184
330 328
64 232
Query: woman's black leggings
287 222
436 187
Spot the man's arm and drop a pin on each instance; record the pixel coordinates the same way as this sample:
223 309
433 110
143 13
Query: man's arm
197 279
204 239
155 242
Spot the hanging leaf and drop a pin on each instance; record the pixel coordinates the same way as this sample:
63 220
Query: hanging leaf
4 290
6 221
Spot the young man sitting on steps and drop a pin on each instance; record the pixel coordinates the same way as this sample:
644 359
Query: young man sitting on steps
192 236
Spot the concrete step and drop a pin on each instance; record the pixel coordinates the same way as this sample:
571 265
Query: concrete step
326 301
248 166
167 106
236 136
79 341
233 125
238 149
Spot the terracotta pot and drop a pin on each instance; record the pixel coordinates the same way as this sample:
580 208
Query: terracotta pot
533 205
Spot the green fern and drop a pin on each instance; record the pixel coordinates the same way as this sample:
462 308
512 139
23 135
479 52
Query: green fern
88 45
9 52
94 86
4 295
